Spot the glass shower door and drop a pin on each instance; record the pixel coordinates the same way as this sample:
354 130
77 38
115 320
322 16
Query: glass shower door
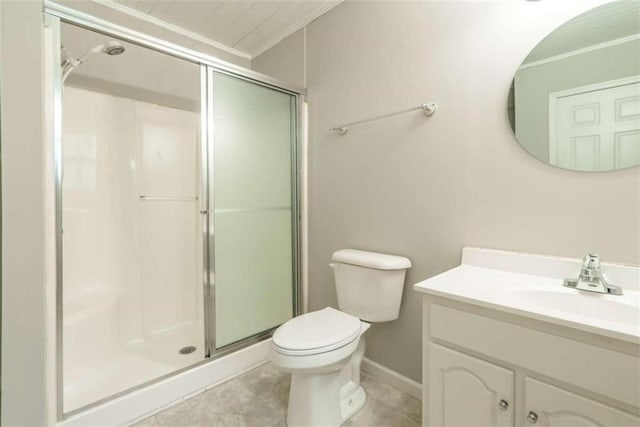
253 192
176 210
131 232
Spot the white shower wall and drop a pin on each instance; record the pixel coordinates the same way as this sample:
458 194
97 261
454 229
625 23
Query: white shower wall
131 243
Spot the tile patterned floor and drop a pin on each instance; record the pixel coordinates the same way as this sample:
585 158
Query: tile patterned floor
258 398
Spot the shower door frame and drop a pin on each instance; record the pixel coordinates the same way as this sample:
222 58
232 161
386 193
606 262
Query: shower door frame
55 14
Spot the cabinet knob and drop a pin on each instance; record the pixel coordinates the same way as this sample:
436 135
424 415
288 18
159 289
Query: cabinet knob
532 417
503 405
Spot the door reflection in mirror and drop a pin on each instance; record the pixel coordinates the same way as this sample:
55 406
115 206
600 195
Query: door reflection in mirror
575 100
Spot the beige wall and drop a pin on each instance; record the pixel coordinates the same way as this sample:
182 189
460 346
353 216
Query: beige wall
285 60
24 326
533 85
424 188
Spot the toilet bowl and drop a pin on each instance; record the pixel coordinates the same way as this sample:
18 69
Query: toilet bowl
323 349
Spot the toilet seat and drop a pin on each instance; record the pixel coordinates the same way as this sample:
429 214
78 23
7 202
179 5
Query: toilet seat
317 332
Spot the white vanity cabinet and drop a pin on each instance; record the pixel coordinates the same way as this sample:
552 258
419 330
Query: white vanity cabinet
504 348
484 370
467 391
551 406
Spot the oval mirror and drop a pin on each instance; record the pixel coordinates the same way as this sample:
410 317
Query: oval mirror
575 100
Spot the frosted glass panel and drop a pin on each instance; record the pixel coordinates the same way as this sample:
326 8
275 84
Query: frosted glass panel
252 134
253 273
253 217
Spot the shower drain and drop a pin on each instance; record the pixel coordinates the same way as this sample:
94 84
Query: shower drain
187 350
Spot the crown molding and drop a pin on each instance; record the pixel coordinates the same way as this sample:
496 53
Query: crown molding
580 51
171 27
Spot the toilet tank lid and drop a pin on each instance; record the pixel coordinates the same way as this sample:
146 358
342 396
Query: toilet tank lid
371 259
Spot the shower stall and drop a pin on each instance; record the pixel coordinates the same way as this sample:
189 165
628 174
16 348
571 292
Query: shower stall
177 219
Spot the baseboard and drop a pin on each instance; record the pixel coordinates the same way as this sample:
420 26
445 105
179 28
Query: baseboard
402 383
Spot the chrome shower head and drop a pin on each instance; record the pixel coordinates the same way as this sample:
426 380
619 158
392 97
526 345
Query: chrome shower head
69 63
113 48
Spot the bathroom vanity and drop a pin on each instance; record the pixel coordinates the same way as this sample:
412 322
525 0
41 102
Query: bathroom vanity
505 344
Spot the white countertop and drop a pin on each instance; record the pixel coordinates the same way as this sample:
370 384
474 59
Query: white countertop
505 281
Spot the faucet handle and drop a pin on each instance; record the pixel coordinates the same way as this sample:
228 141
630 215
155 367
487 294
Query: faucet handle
591 262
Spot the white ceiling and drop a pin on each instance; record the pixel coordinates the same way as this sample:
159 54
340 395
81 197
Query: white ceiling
244 27
609 22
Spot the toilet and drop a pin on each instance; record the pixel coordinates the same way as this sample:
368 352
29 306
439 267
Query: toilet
323 349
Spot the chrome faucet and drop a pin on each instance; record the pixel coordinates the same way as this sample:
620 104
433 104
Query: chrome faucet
591 279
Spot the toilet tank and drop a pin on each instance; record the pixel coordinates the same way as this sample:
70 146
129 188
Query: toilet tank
369 284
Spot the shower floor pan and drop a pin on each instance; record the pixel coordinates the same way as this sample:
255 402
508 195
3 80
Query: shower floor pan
90 380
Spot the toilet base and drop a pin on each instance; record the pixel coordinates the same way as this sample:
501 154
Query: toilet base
351 404
327 398
313 401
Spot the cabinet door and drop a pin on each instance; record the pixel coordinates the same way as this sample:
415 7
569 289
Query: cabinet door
546 405
466 391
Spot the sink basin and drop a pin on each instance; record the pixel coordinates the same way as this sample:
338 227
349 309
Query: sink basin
531 286
621 309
